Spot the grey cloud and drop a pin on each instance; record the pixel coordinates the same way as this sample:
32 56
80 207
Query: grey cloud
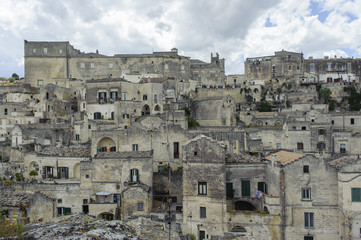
163 26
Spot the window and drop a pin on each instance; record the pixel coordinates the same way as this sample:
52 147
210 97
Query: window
356 194
312 67
135 147
246 188
134 175
45 51
87 176
89 126
97 115
124 96
60 51
176 149
332 122
278 145
5 111
64 211
349 67
91 65
110 65
112 115
321 146
125 116
352 121
262 186
294 128
40 82
308 238
306 193
300 146
309 223
145 97
82 65
202 212
155 99
306 169
77 137
229 190
60 200
195 153
166 66
321 131
304 128
34 50
140 206
85 201
342 148
113 96
202 188
329 67
102 97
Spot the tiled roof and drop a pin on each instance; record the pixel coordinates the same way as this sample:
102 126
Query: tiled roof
243 158
345 160
284 157
138 154
11 198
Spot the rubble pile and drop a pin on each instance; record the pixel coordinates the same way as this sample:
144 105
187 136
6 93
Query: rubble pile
80 226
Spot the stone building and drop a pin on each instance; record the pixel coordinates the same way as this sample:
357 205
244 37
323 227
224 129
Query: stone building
212 73
276 69
204 192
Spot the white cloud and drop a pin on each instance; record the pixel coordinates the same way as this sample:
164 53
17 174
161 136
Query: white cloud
236 29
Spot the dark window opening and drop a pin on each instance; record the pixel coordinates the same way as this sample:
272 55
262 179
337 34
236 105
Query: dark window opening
244 206
176 149
306 169
262 186
203 212
246 188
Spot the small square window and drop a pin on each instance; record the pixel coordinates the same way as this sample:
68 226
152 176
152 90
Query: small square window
89 126
34 50
306 169
87 176
195 153
304 128
300 146
77 137
352 120
60 200
140 206
135 147
45 51
85 201
82 65
60 51
321 131
91 65
294 128
306 193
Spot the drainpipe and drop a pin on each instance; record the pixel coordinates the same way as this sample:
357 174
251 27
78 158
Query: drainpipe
283 211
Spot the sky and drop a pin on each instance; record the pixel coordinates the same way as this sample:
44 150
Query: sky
236 29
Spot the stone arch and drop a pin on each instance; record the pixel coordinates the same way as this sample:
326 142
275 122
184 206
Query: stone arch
105 216
76 170
244 205
34 166
157 108
146 109
106 144
255 90
259 123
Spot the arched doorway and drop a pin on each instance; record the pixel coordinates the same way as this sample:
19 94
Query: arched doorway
145 110
106 216
156 108
244 206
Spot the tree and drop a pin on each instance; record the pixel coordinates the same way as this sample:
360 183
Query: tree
325 94
33 173
15 76
264 107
